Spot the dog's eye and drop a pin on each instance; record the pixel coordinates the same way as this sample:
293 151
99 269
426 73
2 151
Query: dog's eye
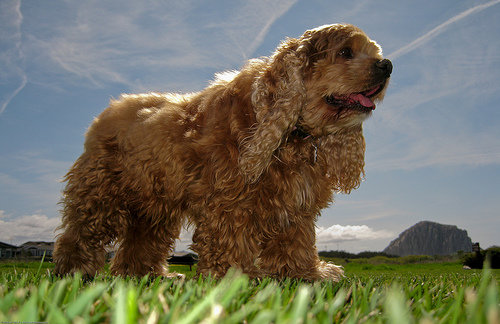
346 53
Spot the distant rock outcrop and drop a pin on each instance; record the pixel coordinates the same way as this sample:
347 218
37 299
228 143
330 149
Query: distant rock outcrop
429 238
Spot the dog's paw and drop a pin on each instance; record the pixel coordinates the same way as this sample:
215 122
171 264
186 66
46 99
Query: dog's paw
330 271
174 275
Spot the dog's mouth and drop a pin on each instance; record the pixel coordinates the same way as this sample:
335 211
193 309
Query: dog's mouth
361 101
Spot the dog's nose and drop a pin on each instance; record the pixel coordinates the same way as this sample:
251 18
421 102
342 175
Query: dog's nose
384 67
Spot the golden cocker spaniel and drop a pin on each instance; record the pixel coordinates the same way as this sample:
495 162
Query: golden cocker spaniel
250 162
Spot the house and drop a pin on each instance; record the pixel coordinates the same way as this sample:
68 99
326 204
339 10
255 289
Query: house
8 251
183 258
37 249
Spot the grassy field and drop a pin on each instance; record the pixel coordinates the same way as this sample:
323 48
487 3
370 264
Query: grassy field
371 292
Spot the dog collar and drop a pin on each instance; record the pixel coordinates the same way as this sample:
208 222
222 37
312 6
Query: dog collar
299 133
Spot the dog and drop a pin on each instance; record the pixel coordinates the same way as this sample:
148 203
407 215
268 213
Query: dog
249 162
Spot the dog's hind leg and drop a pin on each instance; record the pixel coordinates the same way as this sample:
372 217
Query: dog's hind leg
88 219
144 246
80 248
76 251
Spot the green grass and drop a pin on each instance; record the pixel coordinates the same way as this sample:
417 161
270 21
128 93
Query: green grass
370 293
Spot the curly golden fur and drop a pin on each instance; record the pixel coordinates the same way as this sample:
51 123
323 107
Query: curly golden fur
250 162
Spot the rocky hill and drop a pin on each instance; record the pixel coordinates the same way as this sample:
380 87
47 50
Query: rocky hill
429 238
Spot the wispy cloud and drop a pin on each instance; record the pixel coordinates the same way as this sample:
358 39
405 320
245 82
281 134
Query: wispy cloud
109 43
362 211
29 177
439 29
252 22
145 45
440 116
444 150
13 78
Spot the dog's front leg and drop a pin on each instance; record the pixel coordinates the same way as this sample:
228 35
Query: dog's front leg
226 240
292 253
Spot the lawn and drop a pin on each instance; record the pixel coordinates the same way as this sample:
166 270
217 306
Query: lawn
371 292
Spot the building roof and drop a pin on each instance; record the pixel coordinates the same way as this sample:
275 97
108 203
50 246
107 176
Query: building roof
7 246
38 245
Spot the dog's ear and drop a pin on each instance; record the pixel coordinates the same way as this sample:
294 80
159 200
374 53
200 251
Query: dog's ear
277 98
346 159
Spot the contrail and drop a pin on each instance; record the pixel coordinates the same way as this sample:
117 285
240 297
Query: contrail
13 94
18 22
281 10
439 29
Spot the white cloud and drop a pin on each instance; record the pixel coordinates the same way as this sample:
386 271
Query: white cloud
184 240
36 227
340 233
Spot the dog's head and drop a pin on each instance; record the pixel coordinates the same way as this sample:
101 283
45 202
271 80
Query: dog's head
344 77
324 82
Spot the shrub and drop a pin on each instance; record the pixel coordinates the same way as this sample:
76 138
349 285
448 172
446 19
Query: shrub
493 256
476 260
473 260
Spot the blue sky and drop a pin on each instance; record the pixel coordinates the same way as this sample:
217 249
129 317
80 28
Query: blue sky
433 145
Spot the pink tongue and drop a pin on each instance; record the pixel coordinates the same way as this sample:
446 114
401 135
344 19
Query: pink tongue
363 100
